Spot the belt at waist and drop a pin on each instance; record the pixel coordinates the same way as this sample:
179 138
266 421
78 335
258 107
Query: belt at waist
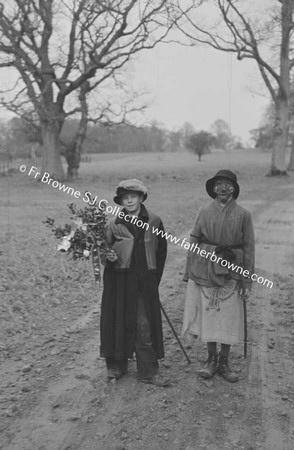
225 250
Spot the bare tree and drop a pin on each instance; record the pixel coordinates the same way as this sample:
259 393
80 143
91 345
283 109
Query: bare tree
72 151
108 114
258 38
58 47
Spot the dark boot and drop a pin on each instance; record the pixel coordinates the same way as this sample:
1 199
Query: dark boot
157 380
210 367
116 369
225 371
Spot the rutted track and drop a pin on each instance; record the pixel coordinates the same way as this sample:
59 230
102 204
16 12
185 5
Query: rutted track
77 410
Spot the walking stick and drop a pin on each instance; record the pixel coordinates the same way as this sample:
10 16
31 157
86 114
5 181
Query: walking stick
175 334
245 325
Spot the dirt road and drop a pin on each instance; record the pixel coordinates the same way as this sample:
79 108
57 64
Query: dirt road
57 399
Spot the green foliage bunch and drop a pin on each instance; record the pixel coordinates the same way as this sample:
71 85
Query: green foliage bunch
85 237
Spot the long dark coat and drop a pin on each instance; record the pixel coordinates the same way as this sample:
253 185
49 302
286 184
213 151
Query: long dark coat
122 288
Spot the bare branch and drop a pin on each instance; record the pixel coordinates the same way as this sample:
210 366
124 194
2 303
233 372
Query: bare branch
62 48
242 40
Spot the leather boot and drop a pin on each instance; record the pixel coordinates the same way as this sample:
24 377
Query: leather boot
225 371
210 367
157 380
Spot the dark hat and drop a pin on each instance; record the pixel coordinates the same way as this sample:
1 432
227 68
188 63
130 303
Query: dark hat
223 174
127 186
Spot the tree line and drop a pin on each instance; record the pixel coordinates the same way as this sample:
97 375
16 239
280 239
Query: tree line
20 139
64 55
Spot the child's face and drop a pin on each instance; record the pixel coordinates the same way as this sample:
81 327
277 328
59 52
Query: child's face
132 202
224 190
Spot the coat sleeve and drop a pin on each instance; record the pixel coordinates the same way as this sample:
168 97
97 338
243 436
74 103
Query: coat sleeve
248 249
110 241
109 234
161 252
194 239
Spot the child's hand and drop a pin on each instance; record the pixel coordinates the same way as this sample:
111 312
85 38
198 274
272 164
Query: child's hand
244 293
111 256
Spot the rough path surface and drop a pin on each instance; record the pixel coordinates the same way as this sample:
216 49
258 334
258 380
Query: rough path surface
59 399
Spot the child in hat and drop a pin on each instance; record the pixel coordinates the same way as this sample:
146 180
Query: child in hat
130 311
213 307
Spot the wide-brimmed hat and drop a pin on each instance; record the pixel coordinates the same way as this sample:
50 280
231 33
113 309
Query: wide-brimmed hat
224 173
127 186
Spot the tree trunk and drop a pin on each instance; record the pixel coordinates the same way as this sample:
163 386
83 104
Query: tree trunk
278 162
73 158
51 161
291 163
74 154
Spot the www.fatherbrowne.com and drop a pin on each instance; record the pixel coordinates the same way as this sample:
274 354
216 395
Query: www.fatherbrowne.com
212 256
136 221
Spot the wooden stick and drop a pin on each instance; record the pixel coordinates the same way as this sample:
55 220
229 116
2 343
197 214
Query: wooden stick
175 334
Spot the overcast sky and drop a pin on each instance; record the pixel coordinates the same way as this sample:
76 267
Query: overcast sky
200 85
197 85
